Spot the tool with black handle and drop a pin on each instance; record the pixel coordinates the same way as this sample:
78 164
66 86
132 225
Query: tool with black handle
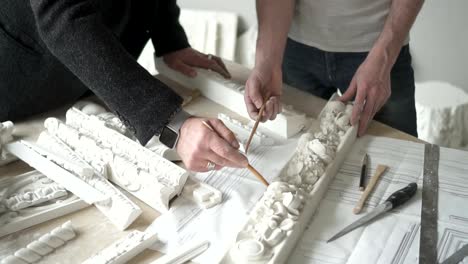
396 199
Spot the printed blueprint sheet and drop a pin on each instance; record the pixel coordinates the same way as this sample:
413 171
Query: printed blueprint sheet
394 238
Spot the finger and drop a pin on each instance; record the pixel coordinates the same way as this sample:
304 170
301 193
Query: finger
219 161
366 115
350 92
269 110
224 132
202 166
276 105
251 108
359 104
184 69
223 66
223 149
253 87
210 64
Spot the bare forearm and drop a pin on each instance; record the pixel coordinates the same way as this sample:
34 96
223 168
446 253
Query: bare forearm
397 26
274 20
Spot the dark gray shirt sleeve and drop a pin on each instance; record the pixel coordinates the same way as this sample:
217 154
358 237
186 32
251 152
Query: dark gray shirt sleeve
74 33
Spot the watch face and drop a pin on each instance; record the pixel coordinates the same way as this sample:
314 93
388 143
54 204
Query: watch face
168 137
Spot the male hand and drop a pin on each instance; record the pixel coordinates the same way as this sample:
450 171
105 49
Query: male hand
371 88
185 60
264 84
199 145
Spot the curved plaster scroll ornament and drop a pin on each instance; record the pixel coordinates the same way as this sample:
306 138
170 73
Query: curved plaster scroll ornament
133 167
273 226
6 136
43 246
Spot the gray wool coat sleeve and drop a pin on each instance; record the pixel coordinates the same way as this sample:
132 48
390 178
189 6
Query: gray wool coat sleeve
74 33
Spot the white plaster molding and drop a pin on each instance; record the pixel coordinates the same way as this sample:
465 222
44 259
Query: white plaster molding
118 208
203 194
231 95
43 246
237 126
12 221
124 249
37 196
6 136
135 168
278 220
59 170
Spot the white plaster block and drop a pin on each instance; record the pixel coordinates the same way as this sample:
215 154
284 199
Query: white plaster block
203 194
231 95
12 221
123 250
442 114
43 246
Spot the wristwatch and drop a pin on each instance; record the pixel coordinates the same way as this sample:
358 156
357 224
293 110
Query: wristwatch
170 133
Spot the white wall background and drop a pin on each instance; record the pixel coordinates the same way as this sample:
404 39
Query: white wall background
439 42
439 39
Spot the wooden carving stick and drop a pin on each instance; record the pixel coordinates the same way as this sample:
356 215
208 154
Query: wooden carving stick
251 169
254 129
378 172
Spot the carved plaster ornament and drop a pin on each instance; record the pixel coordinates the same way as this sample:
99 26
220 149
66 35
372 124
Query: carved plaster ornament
43 246
118 207
230 94
292 198
123 250
133 167
43 209
6 136
247 128
37 196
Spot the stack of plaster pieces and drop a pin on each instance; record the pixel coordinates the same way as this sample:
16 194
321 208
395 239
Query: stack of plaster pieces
280 217
100 139
230 94
43 246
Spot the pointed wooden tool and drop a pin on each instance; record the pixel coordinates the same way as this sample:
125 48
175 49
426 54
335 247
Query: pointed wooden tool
254 129
378 172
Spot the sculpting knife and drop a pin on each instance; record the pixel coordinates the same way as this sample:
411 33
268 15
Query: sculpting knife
394 200
458 256
362 184
254 129
429 208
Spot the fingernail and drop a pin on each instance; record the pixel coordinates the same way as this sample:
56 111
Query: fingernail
235 144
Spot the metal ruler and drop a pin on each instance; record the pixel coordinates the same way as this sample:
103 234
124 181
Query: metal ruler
429 209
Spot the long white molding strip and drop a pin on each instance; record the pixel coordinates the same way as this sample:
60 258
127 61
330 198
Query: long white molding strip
184 254
29 153
231 95
124 249
279 218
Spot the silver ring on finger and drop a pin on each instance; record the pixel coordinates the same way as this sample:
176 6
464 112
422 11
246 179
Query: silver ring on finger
210 165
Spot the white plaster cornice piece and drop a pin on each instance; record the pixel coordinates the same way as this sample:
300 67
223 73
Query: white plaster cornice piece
118 208
135 168
6 136
278 220
12 221
230 94
124 249
43 246
34 197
